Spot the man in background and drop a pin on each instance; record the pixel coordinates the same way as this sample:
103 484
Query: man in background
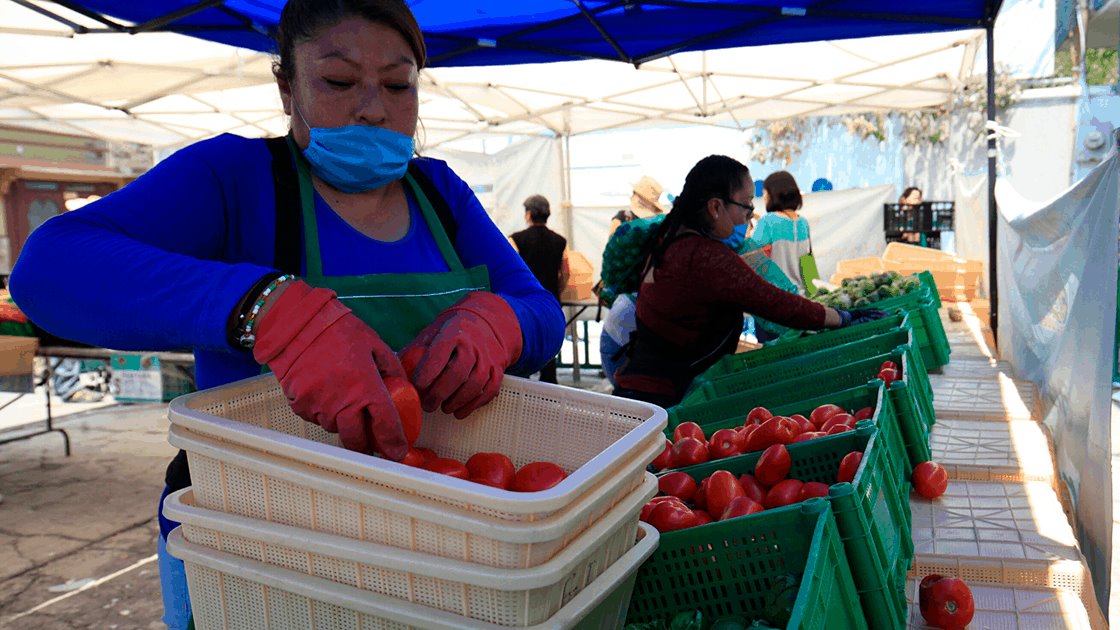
545 253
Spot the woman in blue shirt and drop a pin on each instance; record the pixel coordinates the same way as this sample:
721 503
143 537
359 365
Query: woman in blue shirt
783 231
317 256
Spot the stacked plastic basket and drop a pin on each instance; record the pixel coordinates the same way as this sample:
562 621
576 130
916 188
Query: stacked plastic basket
284 529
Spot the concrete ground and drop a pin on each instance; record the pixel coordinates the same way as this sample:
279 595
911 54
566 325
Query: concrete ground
78 534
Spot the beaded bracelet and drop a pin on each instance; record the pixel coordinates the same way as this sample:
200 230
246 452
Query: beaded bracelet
247 339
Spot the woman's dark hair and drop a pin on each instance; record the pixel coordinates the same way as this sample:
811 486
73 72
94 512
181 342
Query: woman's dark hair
906 193
302 20
537 207
714 177
783 192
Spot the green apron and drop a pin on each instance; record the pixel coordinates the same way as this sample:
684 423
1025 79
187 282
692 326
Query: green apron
396 305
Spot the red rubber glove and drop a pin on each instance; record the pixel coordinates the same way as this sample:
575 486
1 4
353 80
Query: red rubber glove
332 367
466 350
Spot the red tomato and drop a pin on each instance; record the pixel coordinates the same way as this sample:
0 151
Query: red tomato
491 469
808 435
923 591
840 418
949 604
427 453
724 443
745 434
776 430
700 497
784 493
930 479
413 458
824 412
407 401
537 476
740 506
864 414
889 376
722 488
688 429
410 359
773 465
813 489
702 517
758 415
677 484
752 487
448 466
665 459
848 466
803 424
840 428
669 517
648 507
689 451
888 365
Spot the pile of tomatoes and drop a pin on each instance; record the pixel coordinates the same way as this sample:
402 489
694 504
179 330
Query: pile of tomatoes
682 503
489 469
759 431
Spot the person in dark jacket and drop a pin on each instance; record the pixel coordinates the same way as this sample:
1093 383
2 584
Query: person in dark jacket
546 254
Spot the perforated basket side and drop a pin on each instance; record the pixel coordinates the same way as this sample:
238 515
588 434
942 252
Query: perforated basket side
241 481
501 596
1007 606
241 594
589 435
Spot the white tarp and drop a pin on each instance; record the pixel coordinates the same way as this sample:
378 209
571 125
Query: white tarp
1057 272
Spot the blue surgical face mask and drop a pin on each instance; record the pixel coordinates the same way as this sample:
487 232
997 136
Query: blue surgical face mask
737 238
357 158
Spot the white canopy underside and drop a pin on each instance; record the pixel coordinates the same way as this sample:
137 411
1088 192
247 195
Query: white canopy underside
166 90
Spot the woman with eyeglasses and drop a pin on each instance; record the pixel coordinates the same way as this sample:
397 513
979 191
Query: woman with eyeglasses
782 231
695 288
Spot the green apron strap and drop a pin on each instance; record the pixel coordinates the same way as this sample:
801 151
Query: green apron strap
450 256
307 205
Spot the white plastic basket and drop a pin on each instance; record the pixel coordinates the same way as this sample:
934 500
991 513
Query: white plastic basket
1014 607
250 455
240 594
508 597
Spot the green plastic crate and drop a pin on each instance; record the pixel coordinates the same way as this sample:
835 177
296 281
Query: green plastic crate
801 345
912 405
926 278
731 411
794 368
872 513
926 321
729 568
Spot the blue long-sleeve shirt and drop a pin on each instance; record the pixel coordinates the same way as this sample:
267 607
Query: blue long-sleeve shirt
161 263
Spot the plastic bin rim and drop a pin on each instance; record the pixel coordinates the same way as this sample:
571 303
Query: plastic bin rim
545 529
179 506
361 466
351 598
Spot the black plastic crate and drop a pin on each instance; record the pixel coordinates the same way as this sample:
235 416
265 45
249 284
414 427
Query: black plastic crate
928 216
931 240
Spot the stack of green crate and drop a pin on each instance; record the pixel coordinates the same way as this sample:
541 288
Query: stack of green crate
736 568
872 516
910 396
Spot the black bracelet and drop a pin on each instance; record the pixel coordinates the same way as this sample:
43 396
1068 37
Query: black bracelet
236 323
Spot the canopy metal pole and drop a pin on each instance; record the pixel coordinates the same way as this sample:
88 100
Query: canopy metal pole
993 282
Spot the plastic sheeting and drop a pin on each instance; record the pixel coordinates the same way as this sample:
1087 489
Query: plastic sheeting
1057 267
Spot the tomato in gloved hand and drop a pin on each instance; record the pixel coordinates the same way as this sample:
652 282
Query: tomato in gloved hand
949 603
537 476
407 401
410 358
491 469
930 479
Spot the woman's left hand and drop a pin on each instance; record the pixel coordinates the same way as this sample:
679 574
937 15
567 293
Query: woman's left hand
466 351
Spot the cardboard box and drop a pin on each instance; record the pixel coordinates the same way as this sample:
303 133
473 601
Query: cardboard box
580 280
17 355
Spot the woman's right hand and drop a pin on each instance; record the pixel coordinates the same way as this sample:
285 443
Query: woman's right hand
332 367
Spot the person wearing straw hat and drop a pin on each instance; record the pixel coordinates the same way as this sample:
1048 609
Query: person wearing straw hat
318 256
644 202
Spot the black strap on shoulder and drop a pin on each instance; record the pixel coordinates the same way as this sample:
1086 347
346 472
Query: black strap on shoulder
289 222
439 204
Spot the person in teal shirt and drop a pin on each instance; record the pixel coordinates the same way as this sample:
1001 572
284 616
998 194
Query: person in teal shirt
782 231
